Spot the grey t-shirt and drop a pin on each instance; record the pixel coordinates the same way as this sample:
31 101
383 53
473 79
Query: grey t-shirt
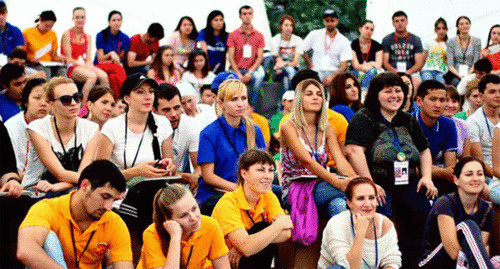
402 49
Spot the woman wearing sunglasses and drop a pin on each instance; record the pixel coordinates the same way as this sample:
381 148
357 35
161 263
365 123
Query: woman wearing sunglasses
62 144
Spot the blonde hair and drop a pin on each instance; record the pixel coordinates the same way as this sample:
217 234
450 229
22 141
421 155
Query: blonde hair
53 83
227 90
471 86
297 113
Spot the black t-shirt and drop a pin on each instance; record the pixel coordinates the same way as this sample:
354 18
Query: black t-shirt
375 47
450 205
7 156
367 129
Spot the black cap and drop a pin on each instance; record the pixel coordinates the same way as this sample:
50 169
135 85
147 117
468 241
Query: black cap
134 81
47 15
330 13
2 4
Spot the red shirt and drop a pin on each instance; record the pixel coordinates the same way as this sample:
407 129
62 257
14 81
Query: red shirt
237 39
142 49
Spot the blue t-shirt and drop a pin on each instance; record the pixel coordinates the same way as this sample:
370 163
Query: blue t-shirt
442 136
345 110
216 52
8 107
119 43
10 39
215 148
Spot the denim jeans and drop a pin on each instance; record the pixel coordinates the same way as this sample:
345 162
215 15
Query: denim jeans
495 191
365 78
325 195
286 78
255 85
53 248
432 75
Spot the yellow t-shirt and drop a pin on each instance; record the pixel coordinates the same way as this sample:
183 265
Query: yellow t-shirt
231 209
262 122
339 124
207 243
34 41
111 233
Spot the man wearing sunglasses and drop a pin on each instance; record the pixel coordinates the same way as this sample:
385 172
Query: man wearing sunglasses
12 79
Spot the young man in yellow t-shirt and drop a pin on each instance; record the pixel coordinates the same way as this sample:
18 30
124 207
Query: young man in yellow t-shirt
81 221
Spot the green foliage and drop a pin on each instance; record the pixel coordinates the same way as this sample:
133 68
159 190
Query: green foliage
308 14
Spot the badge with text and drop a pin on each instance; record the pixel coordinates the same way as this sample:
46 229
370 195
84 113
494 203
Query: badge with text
247 51
401 66
401 173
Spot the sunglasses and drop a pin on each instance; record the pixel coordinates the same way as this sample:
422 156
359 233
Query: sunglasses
66 99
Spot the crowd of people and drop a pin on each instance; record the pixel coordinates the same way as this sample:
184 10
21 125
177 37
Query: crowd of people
395 144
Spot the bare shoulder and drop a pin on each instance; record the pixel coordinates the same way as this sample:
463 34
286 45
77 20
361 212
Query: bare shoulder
387 224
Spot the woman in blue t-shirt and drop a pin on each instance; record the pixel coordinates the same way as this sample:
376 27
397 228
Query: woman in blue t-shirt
223 141
345 95
213 40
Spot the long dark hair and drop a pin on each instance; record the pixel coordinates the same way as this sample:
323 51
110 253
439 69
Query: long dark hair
194 34
209 30
436 24
489 34
157 63
105 32
338 94
192 56
165 198
458 20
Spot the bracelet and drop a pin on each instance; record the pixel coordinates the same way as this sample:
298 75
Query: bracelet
13 178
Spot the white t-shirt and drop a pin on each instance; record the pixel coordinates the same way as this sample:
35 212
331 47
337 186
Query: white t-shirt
286 49
478 129
206 116
16 126
114 130
185 139
196 82
327 53
436 56
85 131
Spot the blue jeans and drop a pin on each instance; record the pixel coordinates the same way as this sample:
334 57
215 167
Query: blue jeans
53 248
367 78
432 75
286 78
255 85
137 69
495 191
325 195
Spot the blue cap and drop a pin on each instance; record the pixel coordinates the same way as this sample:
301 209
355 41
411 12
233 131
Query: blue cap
221 77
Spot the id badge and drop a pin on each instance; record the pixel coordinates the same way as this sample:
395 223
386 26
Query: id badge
247 51
463 70
401 66
401 170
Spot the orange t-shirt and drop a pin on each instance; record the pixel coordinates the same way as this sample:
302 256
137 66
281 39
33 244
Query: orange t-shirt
111 233
35 41
207 244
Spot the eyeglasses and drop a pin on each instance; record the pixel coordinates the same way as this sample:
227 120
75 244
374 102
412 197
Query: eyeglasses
66 99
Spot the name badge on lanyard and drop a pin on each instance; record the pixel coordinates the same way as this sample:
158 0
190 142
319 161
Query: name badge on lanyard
247 51
463 70
401 170
401 66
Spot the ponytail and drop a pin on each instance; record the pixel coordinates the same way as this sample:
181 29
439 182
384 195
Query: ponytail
250 127
154 129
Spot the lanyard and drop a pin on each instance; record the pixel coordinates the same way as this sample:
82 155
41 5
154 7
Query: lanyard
365 60
229 139
399 44
189 256
77 262
376 243
393 134
315 149
487 124
327 47
125 147
466 48
59 135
